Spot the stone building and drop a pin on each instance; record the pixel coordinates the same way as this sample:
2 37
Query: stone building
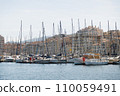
58 44
92 39
112 43
1 45
87 40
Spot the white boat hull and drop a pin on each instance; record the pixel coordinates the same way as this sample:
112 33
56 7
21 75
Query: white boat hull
70 60
9 60
96 62
78 61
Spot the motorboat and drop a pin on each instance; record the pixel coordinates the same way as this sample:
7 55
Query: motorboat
79 61
96 62
9 59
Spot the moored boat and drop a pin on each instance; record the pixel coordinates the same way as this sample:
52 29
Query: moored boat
79 61
94 59
96 62
9 59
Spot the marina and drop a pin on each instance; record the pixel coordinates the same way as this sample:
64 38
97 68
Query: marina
88 46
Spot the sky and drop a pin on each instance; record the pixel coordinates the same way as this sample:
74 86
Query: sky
34 12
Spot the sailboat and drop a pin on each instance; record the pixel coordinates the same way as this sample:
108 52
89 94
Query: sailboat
42 59
94 59
78 60
19 59
112 59
62 53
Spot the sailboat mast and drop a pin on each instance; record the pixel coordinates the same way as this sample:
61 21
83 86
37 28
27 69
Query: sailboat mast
91 38
115 25
101 48
60 28
85 38
21 38
91 23
99 25
31 48
78 25
61 47
110 38
72 37
53 29
39 42
117 32
85 23
43 33
39 36
79 49
64 43
53 50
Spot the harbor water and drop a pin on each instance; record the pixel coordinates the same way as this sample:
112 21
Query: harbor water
17 71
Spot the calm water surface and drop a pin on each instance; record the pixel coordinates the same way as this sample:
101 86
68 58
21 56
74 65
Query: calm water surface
16 71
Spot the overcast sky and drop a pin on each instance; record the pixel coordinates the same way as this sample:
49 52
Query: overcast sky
33 12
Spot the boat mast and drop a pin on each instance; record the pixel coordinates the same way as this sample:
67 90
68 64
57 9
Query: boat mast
39 42
58 42
21 38
85 22
72 37
91 37
79 49
31 48
78 25
43 33
53 29
46 43
85 38
101 47
64 44
117 39
92 23
110 39
53 50
39 36
61 48
115 25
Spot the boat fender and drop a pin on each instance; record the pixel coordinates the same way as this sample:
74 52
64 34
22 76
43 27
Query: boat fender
83 59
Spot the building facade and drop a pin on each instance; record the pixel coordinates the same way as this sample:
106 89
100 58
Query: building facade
1 45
